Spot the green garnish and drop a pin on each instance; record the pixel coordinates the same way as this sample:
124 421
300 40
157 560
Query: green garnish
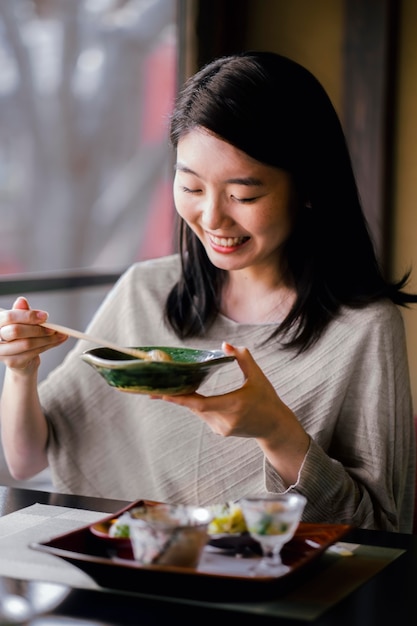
122 531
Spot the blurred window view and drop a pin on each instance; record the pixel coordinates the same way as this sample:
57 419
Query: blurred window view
86 89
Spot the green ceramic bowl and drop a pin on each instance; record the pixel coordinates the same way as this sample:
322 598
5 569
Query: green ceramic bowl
186 371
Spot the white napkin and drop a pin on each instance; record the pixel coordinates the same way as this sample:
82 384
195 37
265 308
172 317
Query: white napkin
38 523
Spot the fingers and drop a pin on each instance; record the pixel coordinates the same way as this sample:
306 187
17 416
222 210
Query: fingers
232 413
244 358
37 316
21 303
24 352
203 404
21 313
22 338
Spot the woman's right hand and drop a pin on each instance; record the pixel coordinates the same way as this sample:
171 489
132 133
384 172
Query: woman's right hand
22 339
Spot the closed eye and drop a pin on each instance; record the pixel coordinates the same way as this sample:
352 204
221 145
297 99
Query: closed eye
188 190
245 200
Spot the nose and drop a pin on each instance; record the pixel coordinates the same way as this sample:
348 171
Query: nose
214 213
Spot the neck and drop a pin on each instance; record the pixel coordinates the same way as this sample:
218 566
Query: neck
254 302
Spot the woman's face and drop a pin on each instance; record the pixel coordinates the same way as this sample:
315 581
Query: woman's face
240 209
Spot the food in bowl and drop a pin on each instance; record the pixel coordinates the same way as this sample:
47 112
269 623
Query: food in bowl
183 374
119 529
227 519
226 530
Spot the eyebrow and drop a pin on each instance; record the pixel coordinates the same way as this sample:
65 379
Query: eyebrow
248 181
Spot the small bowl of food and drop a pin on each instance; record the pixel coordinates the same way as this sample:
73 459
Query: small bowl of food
228 531
227 519
115 536
165 534
184 370
114 532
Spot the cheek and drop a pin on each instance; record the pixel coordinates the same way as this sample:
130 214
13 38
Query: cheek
273 224
183 206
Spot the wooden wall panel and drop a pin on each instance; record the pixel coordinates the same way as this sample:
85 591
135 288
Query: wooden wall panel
370 54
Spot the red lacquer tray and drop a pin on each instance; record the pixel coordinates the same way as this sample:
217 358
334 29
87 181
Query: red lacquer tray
222 574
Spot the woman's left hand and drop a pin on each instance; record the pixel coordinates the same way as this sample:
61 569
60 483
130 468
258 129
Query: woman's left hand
253 410
256 411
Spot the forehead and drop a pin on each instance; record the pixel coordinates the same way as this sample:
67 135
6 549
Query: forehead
204 154
206 151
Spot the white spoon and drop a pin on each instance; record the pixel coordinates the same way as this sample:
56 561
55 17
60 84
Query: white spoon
152 355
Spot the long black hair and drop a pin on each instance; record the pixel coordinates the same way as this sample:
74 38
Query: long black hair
277 112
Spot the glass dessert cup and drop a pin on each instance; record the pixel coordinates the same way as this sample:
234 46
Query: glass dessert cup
272 521
166 534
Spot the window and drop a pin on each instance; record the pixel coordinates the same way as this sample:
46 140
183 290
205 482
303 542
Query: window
86 87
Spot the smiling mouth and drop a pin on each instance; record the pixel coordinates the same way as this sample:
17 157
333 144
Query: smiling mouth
228 242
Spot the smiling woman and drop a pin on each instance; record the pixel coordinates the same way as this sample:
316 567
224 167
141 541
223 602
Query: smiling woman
265 271
241 210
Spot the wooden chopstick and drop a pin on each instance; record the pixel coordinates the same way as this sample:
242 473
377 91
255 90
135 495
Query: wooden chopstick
71 332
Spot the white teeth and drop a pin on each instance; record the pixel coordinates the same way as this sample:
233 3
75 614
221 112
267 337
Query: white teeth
227 242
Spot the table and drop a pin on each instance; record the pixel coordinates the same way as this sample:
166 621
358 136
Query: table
389 597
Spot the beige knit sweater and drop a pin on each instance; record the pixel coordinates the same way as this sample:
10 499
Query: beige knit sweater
350 392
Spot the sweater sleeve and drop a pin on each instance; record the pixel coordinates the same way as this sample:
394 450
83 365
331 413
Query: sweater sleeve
360 468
